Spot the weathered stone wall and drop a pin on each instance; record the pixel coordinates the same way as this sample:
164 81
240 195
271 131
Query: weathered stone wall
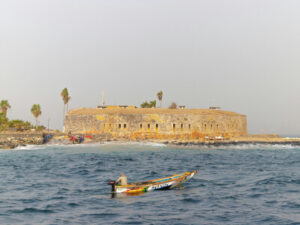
156 123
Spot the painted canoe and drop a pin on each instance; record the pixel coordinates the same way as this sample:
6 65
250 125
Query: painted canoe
152 185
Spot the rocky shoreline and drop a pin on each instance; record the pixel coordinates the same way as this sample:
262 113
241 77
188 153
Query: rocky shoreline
13 140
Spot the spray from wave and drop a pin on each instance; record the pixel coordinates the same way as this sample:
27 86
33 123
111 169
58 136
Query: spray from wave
244 147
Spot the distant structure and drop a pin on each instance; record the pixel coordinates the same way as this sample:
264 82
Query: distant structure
214 107
102 99
130 122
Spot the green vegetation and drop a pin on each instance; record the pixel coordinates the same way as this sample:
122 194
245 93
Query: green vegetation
36 111
18 125
4 105
15 125
66 98
3 122
160 96
151 104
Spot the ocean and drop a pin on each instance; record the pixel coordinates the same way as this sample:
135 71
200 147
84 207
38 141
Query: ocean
245 184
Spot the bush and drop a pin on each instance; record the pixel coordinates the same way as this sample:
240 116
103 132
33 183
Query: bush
19 125
40 128
151 104
3 122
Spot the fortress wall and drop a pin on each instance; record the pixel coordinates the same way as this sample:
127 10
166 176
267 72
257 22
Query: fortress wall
157 123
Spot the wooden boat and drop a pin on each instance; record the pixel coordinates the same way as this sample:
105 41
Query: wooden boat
152 185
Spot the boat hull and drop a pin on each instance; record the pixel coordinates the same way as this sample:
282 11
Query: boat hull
157 184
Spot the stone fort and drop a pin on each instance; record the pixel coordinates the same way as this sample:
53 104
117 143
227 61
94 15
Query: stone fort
133 123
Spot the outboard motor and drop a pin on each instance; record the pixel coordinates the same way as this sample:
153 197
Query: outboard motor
113 185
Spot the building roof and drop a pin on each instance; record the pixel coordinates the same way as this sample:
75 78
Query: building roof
95 111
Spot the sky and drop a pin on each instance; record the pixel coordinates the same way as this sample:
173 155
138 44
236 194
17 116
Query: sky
240 55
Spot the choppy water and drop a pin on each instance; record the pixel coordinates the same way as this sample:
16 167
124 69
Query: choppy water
68 185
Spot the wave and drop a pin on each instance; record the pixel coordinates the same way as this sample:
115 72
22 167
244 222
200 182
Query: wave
241 147
262 146
153 144
132 143
29 147
237 146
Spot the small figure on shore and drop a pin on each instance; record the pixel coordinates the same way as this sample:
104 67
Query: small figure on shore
122 180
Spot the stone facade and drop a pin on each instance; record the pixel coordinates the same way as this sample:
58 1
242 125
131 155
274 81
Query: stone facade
138 123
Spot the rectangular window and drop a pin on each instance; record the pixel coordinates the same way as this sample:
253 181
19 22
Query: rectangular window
120 126
148 125
181 126
156 126
141 126
125 125
189 126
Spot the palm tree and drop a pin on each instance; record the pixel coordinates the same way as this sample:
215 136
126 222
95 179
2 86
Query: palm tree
160 96
66 97
4 105
36 111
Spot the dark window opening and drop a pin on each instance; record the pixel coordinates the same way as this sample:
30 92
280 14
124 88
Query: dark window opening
120 126
189 126
141 126
125 125
174 125
156 126
148 125
181 126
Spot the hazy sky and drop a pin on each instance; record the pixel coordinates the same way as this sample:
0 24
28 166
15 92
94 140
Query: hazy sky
241 55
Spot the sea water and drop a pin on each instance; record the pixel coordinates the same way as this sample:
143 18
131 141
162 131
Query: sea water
247 184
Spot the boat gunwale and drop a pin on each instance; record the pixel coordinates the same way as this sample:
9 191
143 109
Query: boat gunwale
175 177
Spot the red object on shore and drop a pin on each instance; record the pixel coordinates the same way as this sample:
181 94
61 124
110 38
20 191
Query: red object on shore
73 138
88 136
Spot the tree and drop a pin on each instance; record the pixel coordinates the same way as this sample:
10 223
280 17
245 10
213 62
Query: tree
173 105
145 104
36 111
19 125
4 105
160 96
3 122
66 98
151 104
